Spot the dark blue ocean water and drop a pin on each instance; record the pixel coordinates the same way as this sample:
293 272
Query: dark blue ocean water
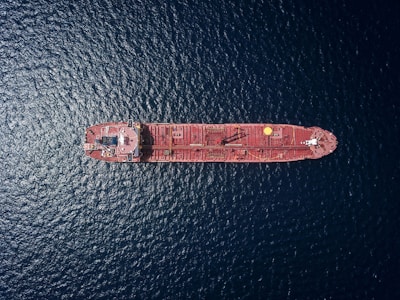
75 228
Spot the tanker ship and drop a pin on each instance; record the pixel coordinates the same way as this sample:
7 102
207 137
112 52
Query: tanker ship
235 143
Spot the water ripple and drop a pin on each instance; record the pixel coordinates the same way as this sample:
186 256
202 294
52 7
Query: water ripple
72 227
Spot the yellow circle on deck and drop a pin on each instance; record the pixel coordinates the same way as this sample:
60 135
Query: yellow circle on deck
267 130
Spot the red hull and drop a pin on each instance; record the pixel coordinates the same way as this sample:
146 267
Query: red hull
160 142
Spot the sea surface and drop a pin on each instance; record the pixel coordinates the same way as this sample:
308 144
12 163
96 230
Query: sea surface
75 228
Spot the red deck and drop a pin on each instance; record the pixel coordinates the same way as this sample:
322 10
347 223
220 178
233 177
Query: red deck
160 142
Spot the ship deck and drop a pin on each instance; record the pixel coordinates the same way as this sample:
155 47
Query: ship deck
222 142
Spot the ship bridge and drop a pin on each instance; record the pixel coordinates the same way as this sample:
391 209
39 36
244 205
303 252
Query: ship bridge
114 142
